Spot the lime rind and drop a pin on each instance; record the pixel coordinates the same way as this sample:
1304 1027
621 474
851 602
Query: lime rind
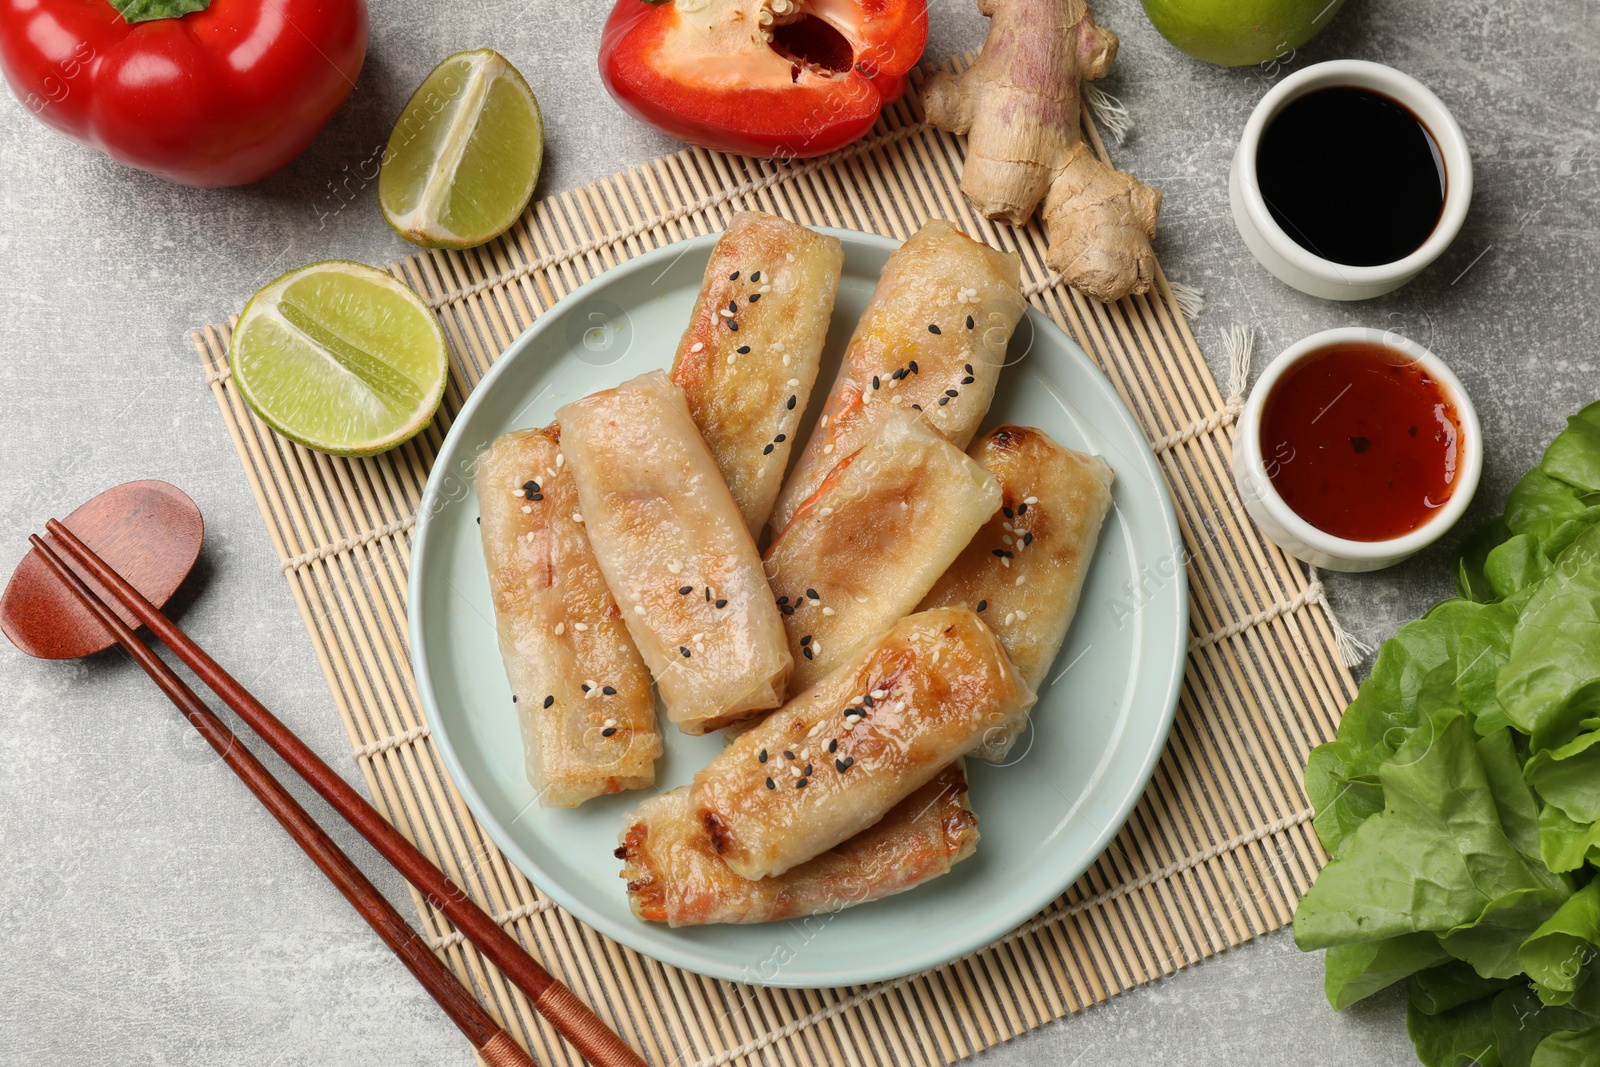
340 357
464 156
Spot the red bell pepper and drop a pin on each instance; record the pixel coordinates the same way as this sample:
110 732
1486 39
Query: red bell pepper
777 78
200 92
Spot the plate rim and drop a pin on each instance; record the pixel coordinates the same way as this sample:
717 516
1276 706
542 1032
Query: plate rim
684 955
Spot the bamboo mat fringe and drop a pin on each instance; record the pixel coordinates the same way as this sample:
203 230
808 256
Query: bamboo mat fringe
1217 851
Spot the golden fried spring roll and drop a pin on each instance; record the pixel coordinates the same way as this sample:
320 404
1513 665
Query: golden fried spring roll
676 554
1024 570
749 358
588 715
676 877
837 758
933 338
877 534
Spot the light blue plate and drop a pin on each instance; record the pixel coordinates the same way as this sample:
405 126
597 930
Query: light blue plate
1098 728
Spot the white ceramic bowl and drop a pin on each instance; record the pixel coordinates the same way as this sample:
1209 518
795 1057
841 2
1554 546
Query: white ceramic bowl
1279 252
1298 537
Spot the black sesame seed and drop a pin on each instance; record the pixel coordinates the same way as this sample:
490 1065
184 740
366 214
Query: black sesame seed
1022 509
968 368
913 366
743 349
943 400
846 763
755 276
811 594
790 404
754 297
783 600
932 328
1009 513
1027 538
806 640
708 594
875 381
722 603
733 305
480 520
952 393
807 771
609 691
833 745
968 380
762 756
685 590
585 687
787 754
867 700
513 698
807 653
799 783
899 374
536 496
530 487
608 731
684 652
781 438
734 326
970 323
1001 553
767 451
917 406
734 276
549 700
983 605
771 784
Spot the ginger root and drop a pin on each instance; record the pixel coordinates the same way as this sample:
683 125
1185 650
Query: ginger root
1019 104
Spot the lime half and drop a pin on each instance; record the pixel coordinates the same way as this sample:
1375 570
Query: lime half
341 358
464 156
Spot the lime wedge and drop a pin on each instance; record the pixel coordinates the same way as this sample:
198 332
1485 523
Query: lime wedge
464 156
341 358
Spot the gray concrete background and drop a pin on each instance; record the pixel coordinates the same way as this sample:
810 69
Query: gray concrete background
150 912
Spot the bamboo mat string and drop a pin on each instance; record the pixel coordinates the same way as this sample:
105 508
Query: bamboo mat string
1216 852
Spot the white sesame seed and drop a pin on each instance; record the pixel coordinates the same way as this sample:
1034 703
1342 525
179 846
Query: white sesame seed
816 647
777 346
786 359
793 382
610 722
1005 562
822 422
529 537
764 289
697 346
897 707
577 516
805 753
813 602
825 512
561 628
1008 528
816 728
731 359
1030 501
675 567
519 492
580 626
725 313
879 694
789 256
1020 579
859 699
560 459
827 450
1011 617
591 683
936 654
637 596
861 598
794 769
698 637
1022 616
638 609
828 611
1005 539
527 509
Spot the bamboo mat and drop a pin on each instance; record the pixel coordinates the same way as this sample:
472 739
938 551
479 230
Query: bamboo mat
1218 850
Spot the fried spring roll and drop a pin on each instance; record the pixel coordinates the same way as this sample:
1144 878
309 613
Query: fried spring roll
933 337
837 758
881 529
674 876
676 554
749 358
1024 571
582 692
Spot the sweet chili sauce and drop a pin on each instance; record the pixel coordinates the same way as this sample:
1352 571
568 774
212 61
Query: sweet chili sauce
1360 441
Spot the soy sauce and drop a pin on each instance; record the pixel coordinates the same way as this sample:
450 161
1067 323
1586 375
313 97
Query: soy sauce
1352 176
1360 442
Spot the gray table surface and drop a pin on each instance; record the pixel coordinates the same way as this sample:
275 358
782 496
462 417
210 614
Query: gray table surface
150 912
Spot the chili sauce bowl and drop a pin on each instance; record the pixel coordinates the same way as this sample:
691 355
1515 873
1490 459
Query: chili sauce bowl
1257 464
1296 265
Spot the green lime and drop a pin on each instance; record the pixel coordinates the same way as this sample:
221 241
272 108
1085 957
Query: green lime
464 156
1236 33
341 358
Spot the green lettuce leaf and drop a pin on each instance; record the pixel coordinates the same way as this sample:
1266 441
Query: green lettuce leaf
1551 682
1451 985
1491 942
1574 456
1434 859
1569 1049
1539 505
1513 799
1453 1038
1565 845
1482 649
1341 776
1522 1022
1355 972
1569 776
1560 955
1471 581
1515 565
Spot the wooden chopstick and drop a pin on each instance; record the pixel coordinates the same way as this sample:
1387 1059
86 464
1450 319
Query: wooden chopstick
596 1042
495 1045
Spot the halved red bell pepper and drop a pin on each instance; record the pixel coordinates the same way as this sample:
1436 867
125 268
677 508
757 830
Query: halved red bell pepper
200 92
774 78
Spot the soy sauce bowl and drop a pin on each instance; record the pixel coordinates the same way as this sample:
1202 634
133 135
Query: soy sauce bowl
1287 259
1252 469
